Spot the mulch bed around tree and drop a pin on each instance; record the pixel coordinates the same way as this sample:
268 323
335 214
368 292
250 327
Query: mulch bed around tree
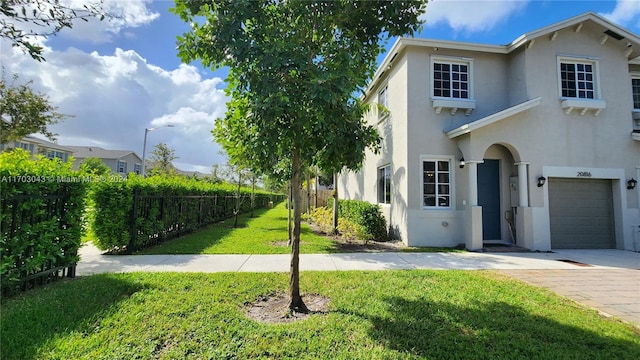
274 308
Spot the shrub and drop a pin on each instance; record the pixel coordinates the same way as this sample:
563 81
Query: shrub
41 208
138 212
370 224
322 217
350 230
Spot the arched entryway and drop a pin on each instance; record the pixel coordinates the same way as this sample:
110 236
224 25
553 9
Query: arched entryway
497 194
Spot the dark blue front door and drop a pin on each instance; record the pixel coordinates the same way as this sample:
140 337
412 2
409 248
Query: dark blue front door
489 198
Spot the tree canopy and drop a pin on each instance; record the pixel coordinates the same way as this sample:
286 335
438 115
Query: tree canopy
24 20
24 112
294 69
162 160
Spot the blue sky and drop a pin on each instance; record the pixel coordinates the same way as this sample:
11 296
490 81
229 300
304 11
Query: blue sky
118 78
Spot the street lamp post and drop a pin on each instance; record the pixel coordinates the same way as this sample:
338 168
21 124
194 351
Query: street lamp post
144 146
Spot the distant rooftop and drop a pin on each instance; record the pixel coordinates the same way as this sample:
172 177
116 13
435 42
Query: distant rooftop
83 152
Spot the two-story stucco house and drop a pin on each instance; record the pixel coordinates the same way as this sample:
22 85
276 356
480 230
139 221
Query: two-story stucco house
37 146
534 143
120 162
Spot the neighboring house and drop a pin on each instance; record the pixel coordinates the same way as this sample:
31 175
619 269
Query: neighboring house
40 147
119 161
534 143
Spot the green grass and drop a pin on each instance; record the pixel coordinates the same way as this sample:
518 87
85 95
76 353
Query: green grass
88 235
265 233
373 315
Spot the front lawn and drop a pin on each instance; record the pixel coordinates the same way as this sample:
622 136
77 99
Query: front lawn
265 233
372 315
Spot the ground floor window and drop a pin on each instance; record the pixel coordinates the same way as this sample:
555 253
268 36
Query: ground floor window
122 167
436 185
52 154
384 184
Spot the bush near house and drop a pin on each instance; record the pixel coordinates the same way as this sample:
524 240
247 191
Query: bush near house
140 212
357 218
41 208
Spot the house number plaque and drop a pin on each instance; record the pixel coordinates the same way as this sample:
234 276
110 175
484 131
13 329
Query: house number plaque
584 174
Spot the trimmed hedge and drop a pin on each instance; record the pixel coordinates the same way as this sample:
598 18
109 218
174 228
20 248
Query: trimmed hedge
140 212
371 225
41 208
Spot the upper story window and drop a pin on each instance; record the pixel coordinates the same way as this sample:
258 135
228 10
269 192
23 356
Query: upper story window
452 84
122 167
577 80
436 183
384 184
579 85
383 100
635 90
451 80
23 145
137 168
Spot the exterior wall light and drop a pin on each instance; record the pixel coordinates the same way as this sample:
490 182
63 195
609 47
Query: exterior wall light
461 163
541 181
631 184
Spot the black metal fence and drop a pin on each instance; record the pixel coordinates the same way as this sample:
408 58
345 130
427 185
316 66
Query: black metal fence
39 239
155 219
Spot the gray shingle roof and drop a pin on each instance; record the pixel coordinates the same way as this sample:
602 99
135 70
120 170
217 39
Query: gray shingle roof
45 143
83 152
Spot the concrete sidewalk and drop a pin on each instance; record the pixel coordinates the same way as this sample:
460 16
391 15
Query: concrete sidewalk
93 262
607 280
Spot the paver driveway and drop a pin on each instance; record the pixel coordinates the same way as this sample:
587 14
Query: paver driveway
606 280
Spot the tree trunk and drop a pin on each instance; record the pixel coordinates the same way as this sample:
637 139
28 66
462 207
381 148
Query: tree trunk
289 204
335 203
296 303
253 193
237 210
309 192
315 203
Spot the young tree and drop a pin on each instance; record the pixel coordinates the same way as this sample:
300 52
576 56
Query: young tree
161 160
24 112
43 18
294 67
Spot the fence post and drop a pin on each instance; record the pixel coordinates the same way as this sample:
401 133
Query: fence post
133 232
163 228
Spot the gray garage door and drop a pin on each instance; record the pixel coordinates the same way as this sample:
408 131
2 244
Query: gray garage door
581 214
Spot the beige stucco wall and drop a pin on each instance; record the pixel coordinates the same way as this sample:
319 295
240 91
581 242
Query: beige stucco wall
553 143
362 185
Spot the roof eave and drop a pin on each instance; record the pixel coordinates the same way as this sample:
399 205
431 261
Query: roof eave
574 21
493 118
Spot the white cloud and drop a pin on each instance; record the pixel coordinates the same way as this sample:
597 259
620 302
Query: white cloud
129 14
626 13
470 15
115 97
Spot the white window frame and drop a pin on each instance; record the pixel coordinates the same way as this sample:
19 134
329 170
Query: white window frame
383 99
384 194
124 167
137 168
567 59
436 158
52 154
451 60
635 76
25 146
